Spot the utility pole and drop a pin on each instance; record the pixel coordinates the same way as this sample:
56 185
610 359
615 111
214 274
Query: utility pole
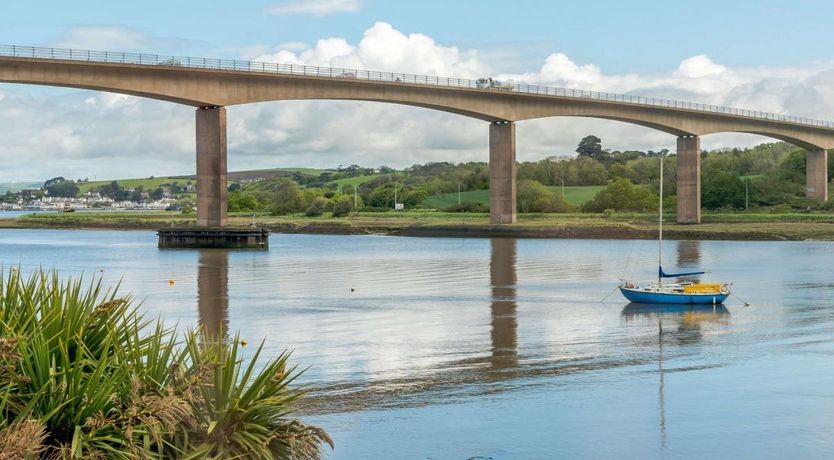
355 202
458 192
395 196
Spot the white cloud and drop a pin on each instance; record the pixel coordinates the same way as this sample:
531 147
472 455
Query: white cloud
315 7
384 48
80 133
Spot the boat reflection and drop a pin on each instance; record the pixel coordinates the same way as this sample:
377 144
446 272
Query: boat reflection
689 320
213 293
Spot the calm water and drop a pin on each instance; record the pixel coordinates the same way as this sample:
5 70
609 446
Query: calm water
471 348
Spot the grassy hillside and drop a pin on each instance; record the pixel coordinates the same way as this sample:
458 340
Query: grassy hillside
147 183
575 195
357 181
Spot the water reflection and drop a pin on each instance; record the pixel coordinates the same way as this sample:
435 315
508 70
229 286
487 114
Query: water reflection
689 258
689 253
502 275
213 292
689 320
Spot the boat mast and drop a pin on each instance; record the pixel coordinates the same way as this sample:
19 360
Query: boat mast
660 231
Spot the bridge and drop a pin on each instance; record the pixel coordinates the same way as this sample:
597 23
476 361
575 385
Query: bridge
210 85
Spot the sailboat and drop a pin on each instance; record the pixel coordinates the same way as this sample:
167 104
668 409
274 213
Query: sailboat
684 292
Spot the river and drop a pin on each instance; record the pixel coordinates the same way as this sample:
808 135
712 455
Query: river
433 348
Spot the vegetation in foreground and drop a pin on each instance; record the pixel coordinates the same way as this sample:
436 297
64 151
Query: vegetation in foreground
84 375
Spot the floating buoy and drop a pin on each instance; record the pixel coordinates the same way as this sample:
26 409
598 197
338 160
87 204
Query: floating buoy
351 289
171 282
243 343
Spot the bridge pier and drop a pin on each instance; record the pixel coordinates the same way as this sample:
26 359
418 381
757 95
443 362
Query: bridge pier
211 166
502 169
816 174
689 180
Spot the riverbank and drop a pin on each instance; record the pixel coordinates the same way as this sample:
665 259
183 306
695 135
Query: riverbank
718 226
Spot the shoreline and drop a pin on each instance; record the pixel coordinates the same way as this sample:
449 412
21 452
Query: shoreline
529 227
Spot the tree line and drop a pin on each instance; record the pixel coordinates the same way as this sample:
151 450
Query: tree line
769 176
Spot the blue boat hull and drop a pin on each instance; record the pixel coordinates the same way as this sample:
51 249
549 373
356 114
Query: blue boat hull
637 296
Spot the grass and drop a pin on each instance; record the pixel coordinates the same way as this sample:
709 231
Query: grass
575 195
715 225
84 375
355 181
147 183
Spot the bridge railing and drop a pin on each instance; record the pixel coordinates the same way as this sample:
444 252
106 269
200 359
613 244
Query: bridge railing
393 77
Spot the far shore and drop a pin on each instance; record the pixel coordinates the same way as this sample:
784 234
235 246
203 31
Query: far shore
715 226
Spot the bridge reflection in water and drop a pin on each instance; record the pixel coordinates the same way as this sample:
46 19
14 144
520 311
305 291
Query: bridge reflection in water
501 366
502 276
213 292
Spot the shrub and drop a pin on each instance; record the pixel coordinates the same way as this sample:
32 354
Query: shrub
318 207
343 206
622 195
467 206
532 196
84 375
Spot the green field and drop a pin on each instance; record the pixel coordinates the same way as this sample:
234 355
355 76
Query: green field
576 195
147 183
354 181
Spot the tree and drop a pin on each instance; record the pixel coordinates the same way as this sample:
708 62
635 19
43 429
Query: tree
286 197
792 167
113 190
721 190
53 181
589 171
622 195
382 196
240 202
591 147
61 187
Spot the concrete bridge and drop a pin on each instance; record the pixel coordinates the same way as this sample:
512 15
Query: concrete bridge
212 84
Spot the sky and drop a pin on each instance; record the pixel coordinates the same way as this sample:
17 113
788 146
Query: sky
766 55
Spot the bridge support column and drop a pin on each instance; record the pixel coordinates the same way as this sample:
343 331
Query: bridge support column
211 167
816 175
689 180
502 170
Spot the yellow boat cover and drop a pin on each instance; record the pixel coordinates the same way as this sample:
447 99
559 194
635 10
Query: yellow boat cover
702 288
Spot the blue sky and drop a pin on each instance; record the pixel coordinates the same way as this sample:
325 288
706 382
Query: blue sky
620 36
766 55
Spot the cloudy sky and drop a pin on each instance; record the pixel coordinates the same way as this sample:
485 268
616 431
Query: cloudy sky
766 55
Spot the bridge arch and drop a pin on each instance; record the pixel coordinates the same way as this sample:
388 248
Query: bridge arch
210 88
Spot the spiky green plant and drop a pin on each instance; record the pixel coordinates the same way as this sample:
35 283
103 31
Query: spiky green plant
84 375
